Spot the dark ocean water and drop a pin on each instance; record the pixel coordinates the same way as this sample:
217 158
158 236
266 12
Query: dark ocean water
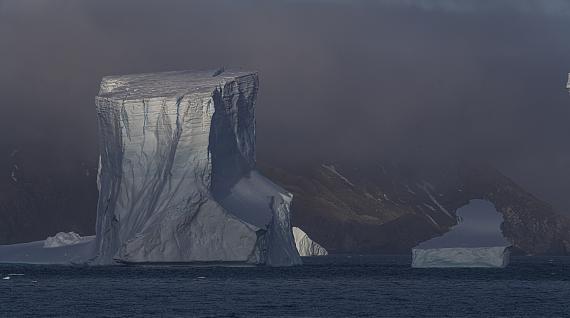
334 286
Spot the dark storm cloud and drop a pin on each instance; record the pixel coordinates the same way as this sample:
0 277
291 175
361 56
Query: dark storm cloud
411 79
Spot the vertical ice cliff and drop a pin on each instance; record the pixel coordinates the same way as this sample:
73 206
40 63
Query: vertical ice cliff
306 246
177 173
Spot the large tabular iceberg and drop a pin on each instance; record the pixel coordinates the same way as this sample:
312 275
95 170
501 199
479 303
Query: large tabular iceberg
477 241
177 179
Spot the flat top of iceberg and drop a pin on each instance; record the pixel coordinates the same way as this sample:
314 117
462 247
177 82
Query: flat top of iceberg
165 84
479 226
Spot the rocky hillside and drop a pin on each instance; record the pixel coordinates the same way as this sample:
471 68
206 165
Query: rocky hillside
389 208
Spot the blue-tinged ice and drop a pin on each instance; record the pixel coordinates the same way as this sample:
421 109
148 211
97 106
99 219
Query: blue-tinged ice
177 179
477 241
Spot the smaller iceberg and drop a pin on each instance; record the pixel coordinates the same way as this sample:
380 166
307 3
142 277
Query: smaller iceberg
477 241
62 248
306 246
63 239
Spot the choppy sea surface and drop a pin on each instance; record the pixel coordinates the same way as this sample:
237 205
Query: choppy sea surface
332 286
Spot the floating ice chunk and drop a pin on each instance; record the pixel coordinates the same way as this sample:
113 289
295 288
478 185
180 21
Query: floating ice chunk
62 239
306 246
9 276
477 241
497 256
37 253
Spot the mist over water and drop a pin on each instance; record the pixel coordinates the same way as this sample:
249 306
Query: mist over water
415 80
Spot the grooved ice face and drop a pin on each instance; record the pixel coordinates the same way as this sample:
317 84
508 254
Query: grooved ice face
177 179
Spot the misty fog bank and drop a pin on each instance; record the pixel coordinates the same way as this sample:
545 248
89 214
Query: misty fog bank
414 80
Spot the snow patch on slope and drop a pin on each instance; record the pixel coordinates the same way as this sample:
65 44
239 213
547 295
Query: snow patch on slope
332 169
426 186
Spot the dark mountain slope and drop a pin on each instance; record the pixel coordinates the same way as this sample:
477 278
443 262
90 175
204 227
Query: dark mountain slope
390 208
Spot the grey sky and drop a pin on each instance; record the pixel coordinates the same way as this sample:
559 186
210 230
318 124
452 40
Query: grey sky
412 79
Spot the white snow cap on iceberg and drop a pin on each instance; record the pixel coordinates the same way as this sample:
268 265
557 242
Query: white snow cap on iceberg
306 246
